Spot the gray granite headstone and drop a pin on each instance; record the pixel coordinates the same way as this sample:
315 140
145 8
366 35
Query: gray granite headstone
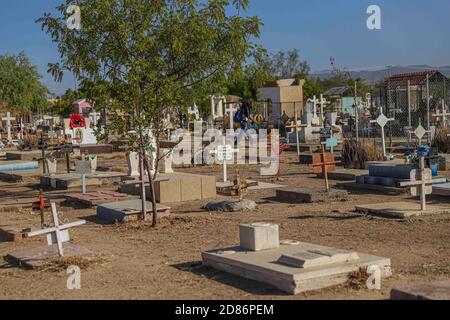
83 167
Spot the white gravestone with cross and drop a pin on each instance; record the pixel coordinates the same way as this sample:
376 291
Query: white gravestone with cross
382 120
194 111
94 116
443 114
296 127
58 234
231 110
423 186
8 119
224 153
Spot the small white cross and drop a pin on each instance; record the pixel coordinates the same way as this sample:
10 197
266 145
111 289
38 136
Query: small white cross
443 114
8 119
94 116
382 120
231 110
58 233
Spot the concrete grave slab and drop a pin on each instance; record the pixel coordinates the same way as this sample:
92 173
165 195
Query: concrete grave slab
25 155
97 197
441 189
129 210
263 185
13 234
263 266
73 180
17 165
20 175
401 209
344 174
35 257
310 195
428 291
96 148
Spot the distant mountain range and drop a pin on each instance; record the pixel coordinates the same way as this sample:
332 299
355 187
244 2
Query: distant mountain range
374 76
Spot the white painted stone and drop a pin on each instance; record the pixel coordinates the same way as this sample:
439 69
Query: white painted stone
89 137
52 165
133 164
259 236
92 158
166 163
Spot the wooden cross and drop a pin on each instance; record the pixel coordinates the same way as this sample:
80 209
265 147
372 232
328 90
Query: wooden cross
8 119
422 184
58 233
382 120
322 163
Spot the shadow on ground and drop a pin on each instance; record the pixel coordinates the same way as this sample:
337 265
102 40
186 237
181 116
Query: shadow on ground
250 286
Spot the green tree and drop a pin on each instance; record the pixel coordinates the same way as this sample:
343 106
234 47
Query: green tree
147 58
287 64
64 105
20 84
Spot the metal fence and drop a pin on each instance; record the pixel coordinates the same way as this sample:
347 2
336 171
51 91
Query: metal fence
409 100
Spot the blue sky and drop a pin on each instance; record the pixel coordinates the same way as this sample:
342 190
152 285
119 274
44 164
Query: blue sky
413 32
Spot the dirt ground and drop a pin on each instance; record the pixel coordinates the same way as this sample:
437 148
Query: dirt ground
140 262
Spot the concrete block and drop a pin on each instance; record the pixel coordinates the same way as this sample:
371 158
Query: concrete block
208 187
310 195
259 236
427 291
167 191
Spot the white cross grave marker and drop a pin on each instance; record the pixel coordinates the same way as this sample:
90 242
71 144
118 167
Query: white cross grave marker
297 126
224 153
423 184
442 114
8 119
94 117
58 233
231 110
382 120
420 132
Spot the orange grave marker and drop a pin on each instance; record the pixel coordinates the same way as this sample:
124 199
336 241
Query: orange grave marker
324 163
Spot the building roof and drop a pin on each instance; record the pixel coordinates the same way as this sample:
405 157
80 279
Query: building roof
336 91
282 83
415 78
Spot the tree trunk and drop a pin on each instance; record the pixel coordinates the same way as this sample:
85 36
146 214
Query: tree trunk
143 196
152 191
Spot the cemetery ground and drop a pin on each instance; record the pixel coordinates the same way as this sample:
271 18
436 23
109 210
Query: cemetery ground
136 261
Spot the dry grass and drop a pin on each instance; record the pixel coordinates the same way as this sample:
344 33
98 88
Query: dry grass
62 263
355 154
358 279
442 140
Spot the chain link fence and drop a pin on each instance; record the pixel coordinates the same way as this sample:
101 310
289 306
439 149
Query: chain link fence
408 101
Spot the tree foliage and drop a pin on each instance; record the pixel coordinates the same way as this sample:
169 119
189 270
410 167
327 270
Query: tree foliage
20 84
144 59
